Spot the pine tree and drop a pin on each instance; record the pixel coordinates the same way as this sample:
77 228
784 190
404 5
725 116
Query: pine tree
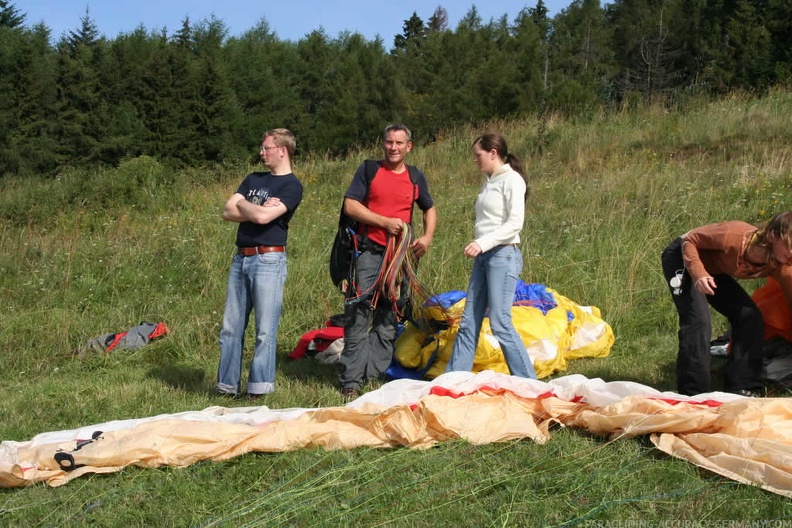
11 43
647 50
27 101
119 77
35 134
10 17
529 52
265 83
414 34
79 123
215 113
779 23
543 27
580 57
438 21
749 44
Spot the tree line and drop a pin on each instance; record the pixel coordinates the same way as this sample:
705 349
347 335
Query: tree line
199 96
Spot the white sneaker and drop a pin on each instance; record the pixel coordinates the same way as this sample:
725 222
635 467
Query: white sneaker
719 350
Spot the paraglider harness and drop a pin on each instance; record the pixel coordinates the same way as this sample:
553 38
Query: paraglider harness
347 243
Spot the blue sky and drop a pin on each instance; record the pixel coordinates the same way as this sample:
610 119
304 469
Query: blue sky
289 19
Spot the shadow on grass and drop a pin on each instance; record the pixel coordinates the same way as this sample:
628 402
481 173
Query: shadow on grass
308 369
667 372
182 377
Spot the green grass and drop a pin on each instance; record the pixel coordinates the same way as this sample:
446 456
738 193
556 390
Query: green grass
91 253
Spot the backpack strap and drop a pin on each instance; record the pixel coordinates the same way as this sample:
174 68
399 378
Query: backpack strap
412 170
370 168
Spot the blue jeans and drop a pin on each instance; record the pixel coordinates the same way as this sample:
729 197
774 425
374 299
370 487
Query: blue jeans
492 285
254 283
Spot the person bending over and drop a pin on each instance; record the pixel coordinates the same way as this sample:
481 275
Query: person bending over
701 268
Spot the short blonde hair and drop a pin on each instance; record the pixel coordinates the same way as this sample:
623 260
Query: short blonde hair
282 137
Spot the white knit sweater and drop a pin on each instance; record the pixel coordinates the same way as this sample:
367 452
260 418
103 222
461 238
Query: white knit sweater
500 209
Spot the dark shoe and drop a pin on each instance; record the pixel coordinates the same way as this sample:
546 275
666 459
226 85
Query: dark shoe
777 390
228 395
253 397
349 394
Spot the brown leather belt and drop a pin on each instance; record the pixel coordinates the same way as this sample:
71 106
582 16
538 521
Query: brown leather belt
250 251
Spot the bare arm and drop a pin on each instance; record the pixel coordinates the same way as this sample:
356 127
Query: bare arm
472 250
237 209
421 244
364 215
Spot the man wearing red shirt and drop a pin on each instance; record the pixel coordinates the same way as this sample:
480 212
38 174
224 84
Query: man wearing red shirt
381 207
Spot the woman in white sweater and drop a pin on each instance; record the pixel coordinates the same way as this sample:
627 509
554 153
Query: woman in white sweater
500 211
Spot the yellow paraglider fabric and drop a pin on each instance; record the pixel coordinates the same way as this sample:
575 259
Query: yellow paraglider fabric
568 331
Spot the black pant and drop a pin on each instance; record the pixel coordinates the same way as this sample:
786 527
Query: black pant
744 363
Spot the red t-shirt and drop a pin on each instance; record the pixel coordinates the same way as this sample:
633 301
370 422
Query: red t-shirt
391 194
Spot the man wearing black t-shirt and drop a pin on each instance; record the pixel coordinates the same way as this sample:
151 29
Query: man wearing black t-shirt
263 205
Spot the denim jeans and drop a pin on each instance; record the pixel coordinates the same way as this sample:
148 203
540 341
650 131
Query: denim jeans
254 283
492 285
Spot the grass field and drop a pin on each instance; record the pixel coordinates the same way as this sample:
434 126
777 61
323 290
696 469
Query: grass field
89 253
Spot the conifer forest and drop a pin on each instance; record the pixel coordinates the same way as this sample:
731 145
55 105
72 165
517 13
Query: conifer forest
199 96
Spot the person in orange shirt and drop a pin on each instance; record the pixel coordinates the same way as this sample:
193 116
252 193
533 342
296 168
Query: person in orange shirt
769 298
701 268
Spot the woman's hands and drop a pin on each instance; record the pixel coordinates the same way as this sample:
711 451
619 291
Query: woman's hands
706 285
472 250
